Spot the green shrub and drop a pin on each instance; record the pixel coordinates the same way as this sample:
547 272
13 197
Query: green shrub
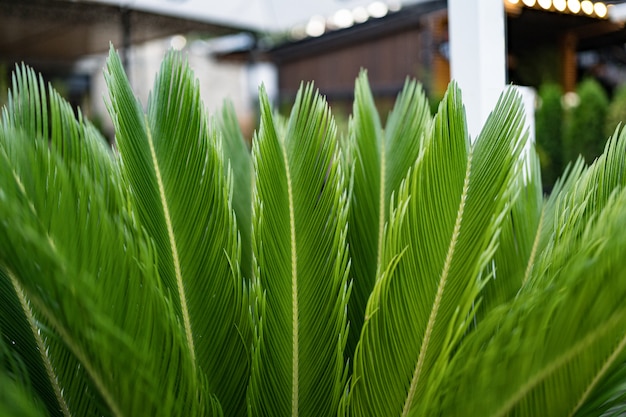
586 122
3 84
185 276
616 114
549 132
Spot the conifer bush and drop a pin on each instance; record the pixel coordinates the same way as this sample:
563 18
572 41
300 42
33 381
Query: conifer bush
586 122
549 119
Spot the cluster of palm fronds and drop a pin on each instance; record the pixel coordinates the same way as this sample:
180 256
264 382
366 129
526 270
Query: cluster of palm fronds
404 270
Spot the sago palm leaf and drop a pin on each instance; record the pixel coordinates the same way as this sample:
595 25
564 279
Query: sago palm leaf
381 160
568 302
573 204
174 167
553 350
46 118
519 238
52 368
301 263
439 239
90 274
17 396
237 153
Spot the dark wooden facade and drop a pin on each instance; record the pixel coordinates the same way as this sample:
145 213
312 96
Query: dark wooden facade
405 44
541 46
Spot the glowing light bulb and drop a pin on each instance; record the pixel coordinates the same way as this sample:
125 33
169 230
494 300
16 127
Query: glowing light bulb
560 5
545 4
529 3
178 42
587 6
343 18
600 9
316 26
377 9
573 6
360 15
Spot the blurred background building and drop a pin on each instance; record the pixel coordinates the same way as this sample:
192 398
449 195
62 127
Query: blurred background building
235 45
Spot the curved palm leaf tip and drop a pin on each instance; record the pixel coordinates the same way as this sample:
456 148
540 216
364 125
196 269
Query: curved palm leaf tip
381 161
439 239
95 292
87 274
237 154
573 364
519 239
299 230
174 164
48 119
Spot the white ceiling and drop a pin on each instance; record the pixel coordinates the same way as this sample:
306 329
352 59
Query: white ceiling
259 15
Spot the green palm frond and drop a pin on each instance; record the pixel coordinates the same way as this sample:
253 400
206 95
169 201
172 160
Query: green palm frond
396 271
26 337
17 396
237 153
520 233
92 279
573 205
174 167
439 240
381 160
44 119
552 350
301 263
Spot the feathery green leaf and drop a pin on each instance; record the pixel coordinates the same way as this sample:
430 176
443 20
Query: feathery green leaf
442 237
301 263
381 160
550 349
237 154
519 238
174 166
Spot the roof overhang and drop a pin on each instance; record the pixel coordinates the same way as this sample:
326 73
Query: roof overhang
56 33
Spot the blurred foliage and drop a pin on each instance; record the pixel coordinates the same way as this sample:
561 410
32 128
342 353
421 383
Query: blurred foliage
549 132
4 84
584 134
617 111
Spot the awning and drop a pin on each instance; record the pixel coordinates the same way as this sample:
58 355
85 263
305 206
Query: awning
55 33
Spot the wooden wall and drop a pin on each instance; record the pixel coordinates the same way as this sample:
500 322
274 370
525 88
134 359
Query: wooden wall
389 51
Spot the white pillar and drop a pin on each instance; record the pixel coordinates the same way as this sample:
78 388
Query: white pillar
477 55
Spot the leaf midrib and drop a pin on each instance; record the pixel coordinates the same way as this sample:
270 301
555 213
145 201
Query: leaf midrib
172 241
41 346
533 252
80 355
294 289
440 290
382 204
558 363
601 372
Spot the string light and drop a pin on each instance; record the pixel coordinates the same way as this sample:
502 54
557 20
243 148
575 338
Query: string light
600 9
573 6
560 5
545 4
587 7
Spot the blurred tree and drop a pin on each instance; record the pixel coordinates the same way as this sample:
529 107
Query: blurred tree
617 111
549 132
586 123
